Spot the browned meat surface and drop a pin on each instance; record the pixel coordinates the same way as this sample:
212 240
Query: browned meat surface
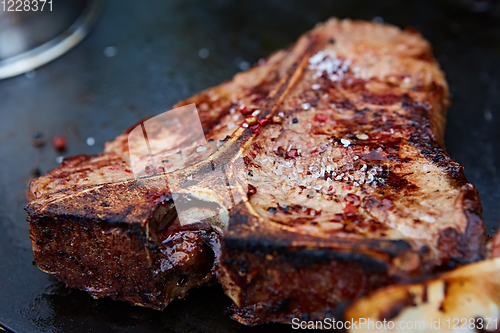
343 187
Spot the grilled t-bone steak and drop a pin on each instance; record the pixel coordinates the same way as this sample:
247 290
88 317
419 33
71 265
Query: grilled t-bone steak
337 186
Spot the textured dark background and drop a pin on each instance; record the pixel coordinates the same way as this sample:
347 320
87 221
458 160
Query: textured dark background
87 94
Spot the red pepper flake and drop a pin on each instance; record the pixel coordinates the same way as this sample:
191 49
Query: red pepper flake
321 117
244 110
256 128
291 154
330 188
128 170
350 209
353 199
263 121
59 142
113 168
346 187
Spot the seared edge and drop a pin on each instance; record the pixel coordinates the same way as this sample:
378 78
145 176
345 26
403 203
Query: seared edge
111 247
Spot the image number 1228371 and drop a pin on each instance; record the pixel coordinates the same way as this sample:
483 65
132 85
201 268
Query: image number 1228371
25 5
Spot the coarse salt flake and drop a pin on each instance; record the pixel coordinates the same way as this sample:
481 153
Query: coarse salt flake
370 179
362 136
345 142
317 58
328 63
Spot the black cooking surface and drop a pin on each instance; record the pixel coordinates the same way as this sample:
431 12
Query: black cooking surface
86 94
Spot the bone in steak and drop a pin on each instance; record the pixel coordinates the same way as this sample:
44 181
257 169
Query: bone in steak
340 185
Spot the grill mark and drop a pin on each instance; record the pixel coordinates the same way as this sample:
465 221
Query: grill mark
382 99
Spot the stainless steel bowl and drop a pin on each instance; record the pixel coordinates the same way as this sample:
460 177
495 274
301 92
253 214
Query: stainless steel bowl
30 39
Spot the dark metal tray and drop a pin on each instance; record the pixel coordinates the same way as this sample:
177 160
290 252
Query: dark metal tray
87 94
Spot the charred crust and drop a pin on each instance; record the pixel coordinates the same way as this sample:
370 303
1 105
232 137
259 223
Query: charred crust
302 258
383 99
44 224
345 104
329 282
467 247
264 243
94 269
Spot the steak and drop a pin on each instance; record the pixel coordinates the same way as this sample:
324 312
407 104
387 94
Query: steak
326 179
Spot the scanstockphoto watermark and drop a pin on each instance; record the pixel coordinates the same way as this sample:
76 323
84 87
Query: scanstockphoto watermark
25 5
359 324
367 324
